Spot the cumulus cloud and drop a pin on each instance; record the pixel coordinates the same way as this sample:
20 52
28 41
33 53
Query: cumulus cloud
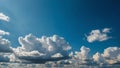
111 52
110 56
97 35
98 58
41 48
83 54
4 17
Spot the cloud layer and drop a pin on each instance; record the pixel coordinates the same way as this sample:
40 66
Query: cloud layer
4 17
97 35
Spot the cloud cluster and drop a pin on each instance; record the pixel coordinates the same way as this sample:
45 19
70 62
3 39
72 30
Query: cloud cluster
111 55
97 35
4 17
98 58
83 54
42 48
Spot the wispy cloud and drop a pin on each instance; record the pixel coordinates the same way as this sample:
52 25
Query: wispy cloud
4 17
98 35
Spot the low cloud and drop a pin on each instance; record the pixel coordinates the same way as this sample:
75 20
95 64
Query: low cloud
4 17
110 56
4 57
99 58
97 35
83 54
5 47
42 48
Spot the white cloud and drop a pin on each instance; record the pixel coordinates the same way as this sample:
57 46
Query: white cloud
4 32
98 58
57 55
110 56
97 35
41 48
111 52
106 30
4 17
83 54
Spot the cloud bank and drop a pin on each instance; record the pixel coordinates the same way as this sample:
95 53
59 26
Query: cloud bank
97 35
4 17
44 48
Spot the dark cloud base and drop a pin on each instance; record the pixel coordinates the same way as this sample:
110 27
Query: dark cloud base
40 60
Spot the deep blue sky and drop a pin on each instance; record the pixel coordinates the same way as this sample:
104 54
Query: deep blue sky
70 19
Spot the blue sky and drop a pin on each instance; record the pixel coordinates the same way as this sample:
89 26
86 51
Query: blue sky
71 19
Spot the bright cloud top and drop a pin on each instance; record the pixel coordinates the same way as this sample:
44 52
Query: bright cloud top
4 17
97 35
41 48
83 54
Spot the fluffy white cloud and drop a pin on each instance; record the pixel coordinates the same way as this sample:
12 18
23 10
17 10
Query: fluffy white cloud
110 56
4 17
41 48
111 52
97 35
83 54
4 32
98 58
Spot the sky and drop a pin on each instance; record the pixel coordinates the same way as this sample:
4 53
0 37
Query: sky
72 19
